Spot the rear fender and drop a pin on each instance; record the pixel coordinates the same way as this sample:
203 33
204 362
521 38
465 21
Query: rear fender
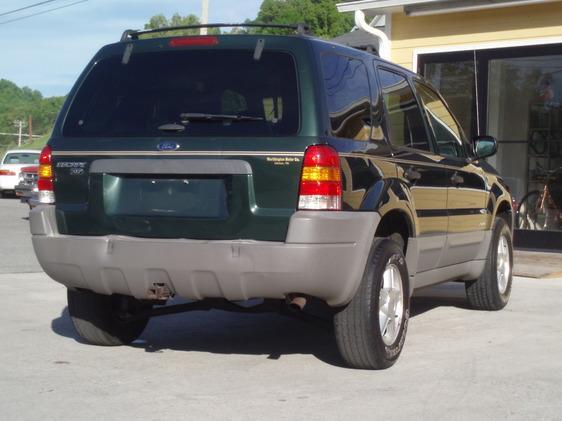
396 197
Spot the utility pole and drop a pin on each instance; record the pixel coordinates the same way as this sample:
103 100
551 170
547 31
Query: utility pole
30 126
19 125
204 16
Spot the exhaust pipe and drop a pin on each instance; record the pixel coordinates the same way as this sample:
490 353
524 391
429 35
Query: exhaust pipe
297 303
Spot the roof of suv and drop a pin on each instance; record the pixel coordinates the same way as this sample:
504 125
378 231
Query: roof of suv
300 36
357 51
302 31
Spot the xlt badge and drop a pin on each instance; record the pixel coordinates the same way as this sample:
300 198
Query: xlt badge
74 168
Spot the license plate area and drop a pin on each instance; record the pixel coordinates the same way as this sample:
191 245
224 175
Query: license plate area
176 196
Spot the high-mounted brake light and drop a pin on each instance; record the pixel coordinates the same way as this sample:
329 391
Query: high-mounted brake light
320 186
45 172
200 41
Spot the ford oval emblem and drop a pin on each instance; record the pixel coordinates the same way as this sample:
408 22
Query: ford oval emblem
168 146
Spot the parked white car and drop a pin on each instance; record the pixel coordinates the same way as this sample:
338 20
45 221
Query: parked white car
11 164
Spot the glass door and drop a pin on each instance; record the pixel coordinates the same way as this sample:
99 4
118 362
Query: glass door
514 94
454 78
525 113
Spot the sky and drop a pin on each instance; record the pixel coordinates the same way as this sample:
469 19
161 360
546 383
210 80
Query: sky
47 52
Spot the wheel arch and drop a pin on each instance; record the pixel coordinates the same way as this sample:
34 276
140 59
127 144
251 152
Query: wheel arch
505 210
396 221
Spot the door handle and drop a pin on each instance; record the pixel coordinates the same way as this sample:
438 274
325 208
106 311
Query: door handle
457 179
412 175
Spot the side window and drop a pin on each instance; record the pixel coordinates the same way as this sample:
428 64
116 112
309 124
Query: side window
445 129
407 125
348 97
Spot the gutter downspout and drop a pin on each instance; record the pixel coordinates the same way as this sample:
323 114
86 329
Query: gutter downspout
384 41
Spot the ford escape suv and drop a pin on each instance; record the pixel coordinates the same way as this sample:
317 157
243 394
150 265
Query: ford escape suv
270 170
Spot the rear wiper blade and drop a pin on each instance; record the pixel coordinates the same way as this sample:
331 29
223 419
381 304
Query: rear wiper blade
188 117
171 127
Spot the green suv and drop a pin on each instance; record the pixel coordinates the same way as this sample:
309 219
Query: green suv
263 172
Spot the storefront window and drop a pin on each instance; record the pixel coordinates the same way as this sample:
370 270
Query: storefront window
525 114
455 81
514 94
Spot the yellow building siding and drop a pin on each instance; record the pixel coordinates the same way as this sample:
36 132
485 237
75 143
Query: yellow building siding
520 23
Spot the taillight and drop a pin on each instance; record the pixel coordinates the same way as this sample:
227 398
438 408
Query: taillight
7 172
320 187
45 181
198 41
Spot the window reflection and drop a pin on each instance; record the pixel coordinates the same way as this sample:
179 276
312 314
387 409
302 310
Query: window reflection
404 114
347 93
445 129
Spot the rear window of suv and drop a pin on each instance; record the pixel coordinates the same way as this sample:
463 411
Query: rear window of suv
188 93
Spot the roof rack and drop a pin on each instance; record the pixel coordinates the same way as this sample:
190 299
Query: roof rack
299 28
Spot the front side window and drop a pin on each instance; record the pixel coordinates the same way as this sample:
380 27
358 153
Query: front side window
445 129
188 93
404 116
348 96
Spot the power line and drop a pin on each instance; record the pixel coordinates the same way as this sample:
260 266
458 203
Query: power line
37 135
27 7
43 12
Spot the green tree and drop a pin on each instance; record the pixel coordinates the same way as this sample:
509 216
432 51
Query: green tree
18 104
322 16
160 21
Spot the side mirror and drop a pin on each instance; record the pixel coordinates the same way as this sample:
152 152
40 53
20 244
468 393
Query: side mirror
485 146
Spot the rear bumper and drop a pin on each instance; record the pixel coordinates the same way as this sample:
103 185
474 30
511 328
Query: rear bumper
324 255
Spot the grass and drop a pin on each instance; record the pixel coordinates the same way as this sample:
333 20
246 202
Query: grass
36 143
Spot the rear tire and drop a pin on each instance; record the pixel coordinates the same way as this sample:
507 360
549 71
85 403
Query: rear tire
102 319
492 290
371 329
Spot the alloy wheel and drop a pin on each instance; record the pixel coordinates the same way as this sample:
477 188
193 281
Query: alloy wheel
391 304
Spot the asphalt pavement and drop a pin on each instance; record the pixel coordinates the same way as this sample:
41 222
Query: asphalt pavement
457 364
16 254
